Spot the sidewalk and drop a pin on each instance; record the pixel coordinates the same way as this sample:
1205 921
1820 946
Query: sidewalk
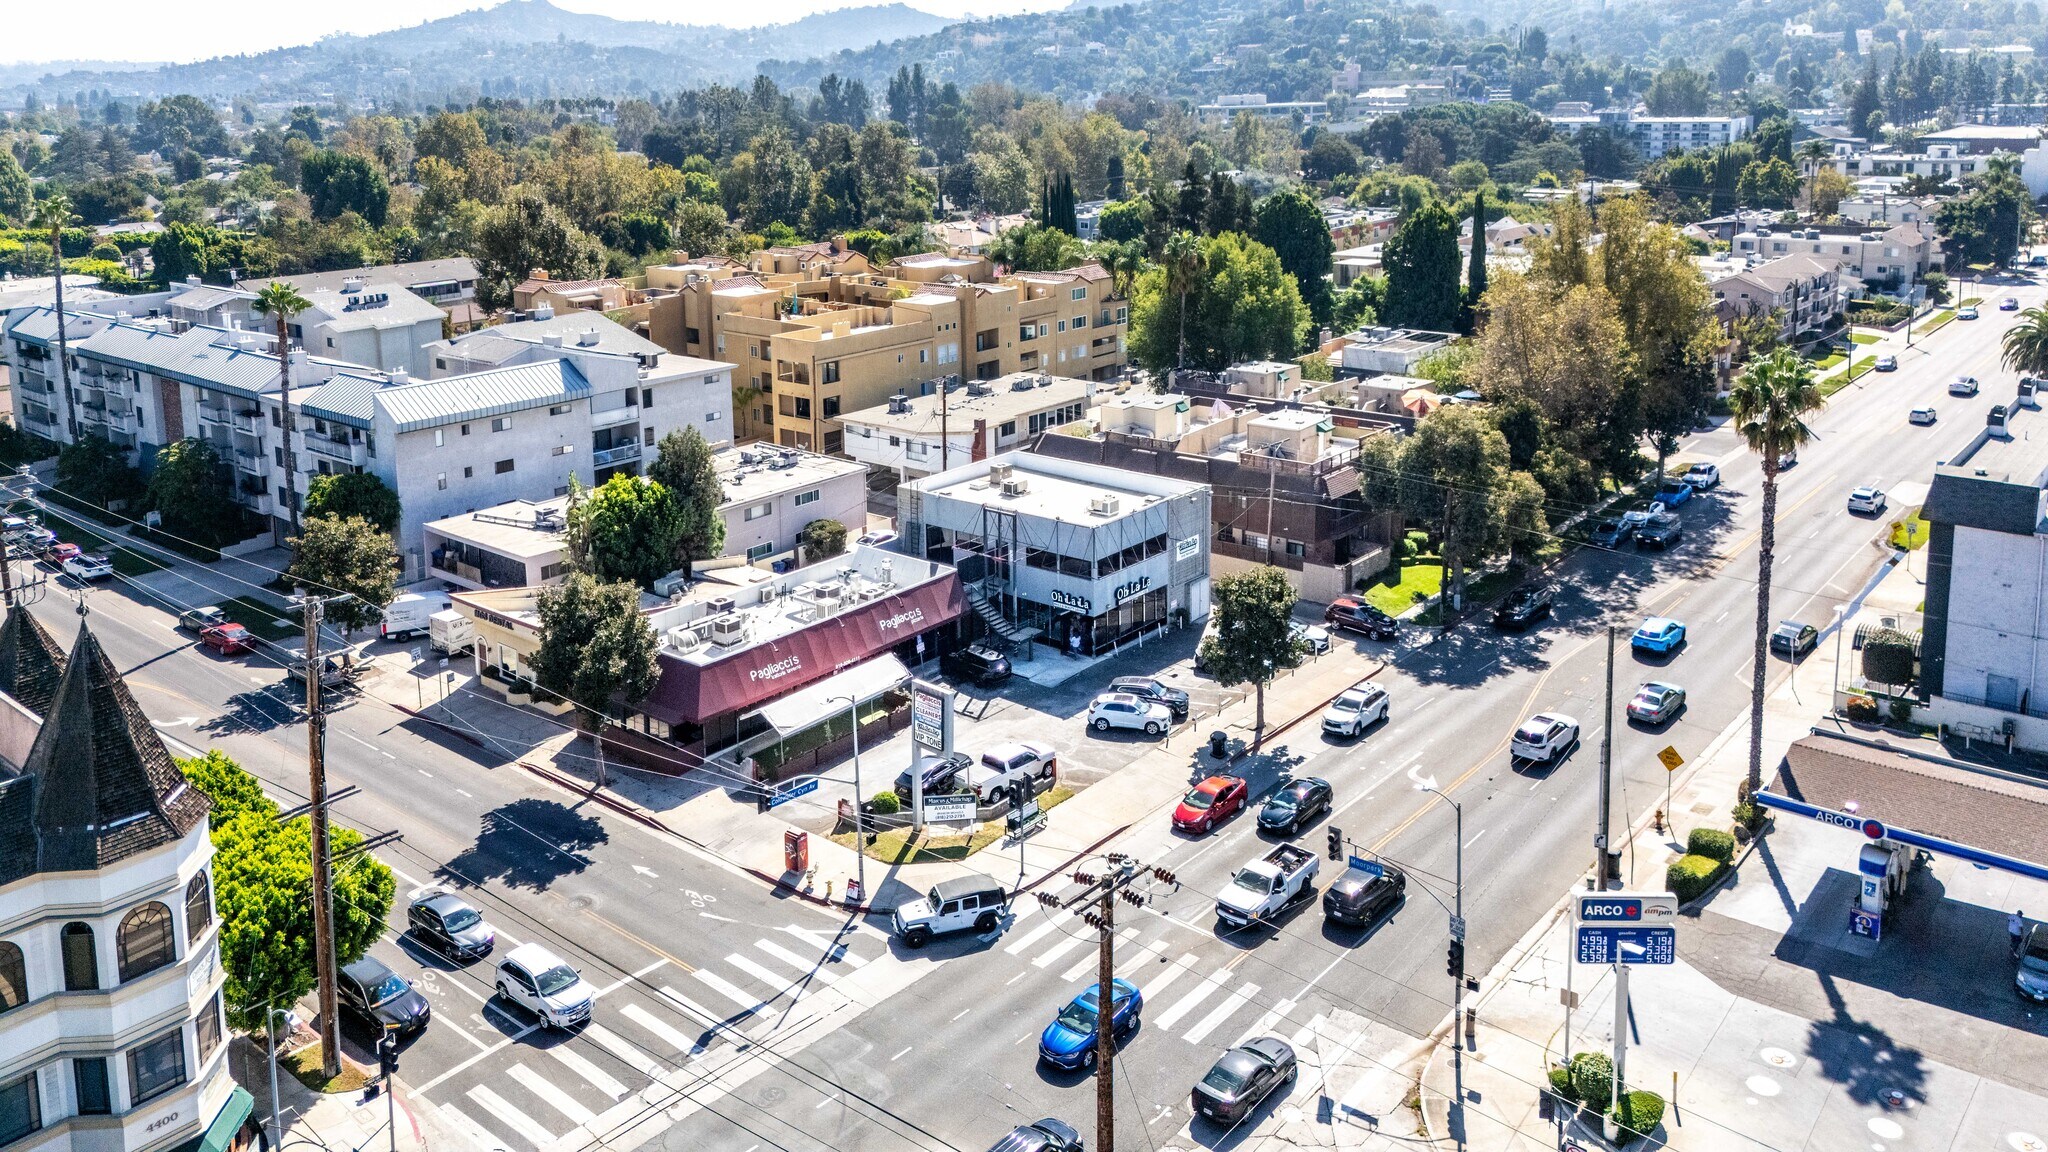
337 1122
1737 1072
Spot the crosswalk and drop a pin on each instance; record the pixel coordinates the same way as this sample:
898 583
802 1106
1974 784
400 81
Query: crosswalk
536 1097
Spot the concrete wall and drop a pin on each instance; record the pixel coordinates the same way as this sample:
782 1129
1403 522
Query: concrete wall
1994 629
843 498
414 465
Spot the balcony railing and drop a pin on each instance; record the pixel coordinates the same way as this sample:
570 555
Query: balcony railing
613 417
47 429
333 448
121 421
209 414
254 463
607 457
249 422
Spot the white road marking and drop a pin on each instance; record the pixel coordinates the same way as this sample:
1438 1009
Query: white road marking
1187 1003
465 793
1147 952
512 1117
825 1101
746 1001
1173 972
902 1054
1475 838
1224 1011
1273 1016
597 1077
960 1013
616 984
476 1132
550 1095
1059 949
1032 937
1087 962
775 980
628 1053
359 740
672 1037
814 969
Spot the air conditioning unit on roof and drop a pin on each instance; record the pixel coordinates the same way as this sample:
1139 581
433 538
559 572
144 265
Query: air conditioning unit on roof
1103 505
1016 486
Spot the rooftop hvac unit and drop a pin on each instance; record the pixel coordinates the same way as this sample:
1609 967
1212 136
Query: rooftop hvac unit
719 605
1104 505
1016 486
997 473
729 629
1022 384
684 638
783 460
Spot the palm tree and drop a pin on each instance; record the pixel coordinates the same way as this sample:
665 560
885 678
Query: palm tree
2026 343
1770 400
1812 155
1184 261
54 213
282 301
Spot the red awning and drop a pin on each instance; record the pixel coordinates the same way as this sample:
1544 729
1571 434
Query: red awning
690 693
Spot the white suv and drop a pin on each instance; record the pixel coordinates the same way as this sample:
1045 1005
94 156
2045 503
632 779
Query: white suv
1357 708
543 984
1868 499
1544 737
1005 764
1123 710
1963 386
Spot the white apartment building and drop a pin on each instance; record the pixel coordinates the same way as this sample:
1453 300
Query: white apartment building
1804 291
1653 136
1892 256
448 283
374 323
913 436
112 1035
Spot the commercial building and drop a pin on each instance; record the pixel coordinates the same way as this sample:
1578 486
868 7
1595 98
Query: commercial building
112 1034
519 544
1082 556
1229 106
913 436
1394 350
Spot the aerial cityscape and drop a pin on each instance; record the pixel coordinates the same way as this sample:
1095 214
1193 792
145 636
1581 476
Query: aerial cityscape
1258 576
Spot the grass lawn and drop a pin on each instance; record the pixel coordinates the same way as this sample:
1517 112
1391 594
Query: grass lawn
1969 300
1841 380
1828 361
1397 589
1863 337
1919 531
895 846
1478 590
305 1066
1935 322
127 561
262 619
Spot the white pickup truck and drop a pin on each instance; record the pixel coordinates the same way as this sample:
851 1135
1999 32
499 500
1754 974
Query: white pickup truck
1262 888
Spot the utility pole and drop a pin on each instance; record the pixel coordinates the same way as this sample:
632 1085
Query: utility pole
1600 840
323 866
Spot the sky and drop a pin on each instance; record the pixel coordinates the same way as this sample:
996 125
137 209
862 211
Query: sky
147 30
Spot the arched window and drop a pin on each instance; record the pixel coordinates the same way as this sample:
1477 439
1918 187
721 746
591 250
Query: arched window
198 907
81 959
146 943
13 977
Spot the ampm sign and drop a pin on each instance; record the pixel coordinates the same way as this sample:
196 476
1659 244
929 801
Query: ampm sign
1878 830
1626 908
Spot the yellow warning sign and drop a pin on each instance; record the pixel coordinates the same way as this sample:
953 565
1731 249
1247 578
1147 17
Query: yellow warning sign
1671 758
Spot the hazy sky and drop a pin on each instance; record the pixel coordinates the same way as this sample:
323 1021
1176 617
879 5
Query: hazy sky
150 30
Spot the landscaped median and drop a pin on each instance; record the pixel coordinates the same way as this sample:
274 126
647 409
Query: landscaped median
904 845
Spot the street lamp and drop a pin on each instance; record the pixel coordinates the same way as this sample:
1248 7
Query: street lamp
860 844
1457 948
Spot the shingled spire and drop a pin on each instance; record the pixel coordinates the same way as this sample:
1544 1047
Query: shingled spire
106 788
31 663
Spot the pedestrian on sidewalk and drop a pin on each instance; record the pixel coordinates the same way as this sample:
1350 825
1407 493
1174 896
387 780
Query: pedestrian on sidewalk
2016 927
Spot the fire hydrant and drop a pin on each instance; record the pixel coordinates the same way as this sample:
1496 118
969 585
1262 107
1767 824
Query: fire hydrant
1657 821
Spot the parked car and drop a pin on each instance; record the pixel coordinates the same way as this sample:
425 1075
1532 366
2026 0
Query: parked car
58 551
1963 386
1147 688
540 982
1887 363
1361 898
1047 1135
1069 1041
382 999
448 924
1121 710
1355 709
1354 615
1524 606
2037 260
200 619
2008 305
88 567
2032 962
1703 476
1658 634
961 904
1210 803
875 539
1635 518
941 774
976 664
1268 886
1673 492
1924 414
229 639
1005 764
1656 702
1544 737
1242 1078
1661 532
1867 499
1967 312
1314 639
1793 638
1611 533
1294 804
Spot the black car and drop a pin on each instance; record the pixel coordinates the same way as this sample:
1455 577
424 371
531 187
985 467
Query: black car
1355 615
1611 533
1243 1077
976 664
1297 802
1361 899
1524 606
382 998
446 922
1660 532
1047 1135
941 774
1793 638
1150 690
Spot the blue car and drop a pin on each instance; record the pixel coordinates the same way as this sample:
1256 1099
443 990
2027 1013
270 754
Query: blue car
1658 635
1673 492
1069 1041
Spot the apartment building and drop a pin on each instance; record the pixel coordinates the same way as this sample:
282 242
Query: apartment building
112 1035
1806 292
1884 210
375 323
1950 162
539 290
1882 258
448 284
809 350
959 421
1653 136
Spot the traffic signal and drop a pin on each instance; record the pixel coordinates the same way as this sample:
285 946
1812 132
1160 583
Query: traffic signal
1455 959
387 1054
1336 843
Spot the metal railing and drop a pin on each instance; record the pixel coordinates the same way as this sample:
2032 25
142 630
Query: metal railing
609 456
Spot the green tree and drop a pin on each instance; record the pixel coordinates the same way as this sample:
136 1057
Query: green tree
1331 156
188 488
1986 224
201 250
1421 260
336 554
633 527
823 539
2024 347
527 233
1475 271
1123 222
1252 641
17 195
1239 305
594 646
338 182
346 494
1770 401
1677 91
95 470
52 214
1290 223
686 465
1035 248
281 301
1768 183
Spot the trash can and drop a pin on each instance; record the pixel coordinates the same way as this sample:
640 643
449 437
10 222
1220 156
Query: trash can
1219 744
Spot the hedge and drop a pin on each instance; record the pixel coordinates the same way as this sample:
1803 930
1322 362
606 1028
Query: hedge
885 804
1593 1078
1638 1113
1561 1084
1860 709
1689 876
1711 843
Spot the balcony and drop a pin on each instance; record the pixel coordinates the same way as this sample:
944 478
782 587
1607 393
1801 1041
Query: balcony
334 448
46 428
121 421
249 422
613 417
605 458
211 414
92 413
254 463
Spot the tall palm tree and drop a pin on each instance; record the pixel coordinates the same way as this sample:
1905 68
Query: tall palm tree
2026 343
281 301
1813 154
1184 264
54 213
1770 400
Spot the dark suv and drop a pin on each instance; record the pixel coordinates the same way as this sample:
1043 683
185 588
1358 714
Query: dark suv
1660 532
382 998
941 774
1360 899
976 664
1354 615
1524 606
1152 691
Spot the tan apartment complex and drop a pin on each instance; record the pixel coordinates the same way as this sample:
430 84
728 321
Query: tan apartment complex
815 331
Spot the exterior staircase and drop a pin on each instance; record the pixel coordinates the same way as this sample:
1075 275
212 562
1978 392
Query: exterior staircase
991 615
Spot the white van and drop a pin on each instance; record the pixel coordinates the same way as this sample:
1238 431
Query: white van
451 631
408 615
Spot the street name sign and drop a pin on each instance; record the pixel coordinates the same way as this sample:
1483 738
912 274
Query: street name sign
784 796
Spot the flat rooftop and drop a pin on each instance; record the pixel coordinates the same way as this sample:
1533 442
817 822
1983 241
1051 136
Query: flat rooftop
1006 398
756 472
2019 457
761 607
523 529
1054 489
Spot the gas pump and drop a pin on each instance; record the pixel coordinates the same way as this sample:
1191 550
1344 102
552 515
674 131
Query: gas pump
1883 868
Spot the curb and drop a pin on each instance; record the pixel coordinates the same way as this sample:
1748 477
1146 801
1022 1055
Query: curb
443 725
1281 729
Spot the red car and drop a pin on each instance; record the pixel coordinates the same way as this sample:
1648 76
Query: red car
228 639
59 551
1210 803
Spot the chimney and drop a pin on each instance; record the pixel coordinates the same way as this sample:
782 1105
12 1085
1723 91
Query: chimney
542 312
551 340
399 376
587 338
980 441
537 274
298 359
